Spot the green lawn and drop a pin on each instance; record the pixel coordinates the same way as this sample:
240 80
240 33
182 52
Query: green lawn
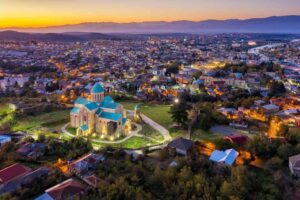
71 130
158 113
7 116
35 133
150 132
5 109
132 143
136 142
53 120
198 134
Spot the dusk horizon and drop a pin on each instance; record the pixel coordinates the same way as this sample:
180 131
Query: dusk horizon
34 13
149 21
288 24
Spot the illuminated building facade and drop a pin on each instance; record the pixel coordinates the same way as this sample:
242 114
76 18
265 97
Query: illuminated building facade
100 116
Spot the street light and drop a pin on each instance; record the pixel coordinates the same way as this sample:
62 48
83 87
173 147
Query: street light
176 100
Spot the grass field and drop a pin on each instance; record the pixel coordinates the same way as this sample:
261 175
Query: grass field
148 131
161 114
4 109
136 142
7 116
53 120
158 113
198 134
132 143
71 130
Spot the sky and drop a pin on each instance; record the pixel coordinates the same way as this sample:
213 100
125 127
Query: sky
42 13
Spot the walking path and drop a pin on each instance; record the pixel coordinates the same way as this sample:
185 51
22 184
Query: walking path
162 130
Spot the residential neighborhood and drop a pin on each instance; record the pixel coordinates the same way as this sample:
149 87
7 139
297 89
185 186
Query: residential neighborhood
150 116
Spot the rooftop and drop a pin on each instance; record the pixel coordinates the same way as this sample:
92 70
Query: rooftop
181 143
111 116
97 88
295 161
13 171
228 156
84 127
75 110
81 100
65 190
110 105
91 106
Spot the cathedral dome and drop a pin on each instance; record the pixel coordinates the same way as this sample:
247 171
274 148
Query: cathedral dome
97 88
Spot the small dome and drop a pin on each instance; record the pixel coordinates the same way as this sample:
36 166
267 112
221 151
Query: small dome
97 88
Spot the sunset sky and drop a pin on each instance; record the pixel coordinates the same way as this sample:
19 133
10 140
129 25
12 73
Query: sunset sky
40 13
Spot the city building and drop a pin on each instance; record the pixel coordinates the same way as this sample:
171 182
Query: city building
100 116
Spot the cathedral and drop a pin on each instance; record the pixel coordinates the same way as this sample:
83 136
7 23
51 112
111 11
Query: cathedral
99 116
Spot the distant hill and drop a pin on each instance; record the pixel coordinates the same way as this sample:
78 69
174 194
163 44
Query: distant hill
276 24
63 37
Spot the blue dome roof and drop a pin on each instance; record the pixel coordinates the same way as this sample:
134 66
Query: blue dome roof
97 88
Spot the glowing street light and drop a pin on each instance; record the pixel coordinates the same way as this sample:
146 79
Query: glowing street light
176 101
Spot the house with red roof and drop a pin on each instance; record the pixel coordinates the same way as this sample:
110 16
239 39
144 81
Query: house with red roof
85 163
94 181
68 189
17 175
237 139
13 171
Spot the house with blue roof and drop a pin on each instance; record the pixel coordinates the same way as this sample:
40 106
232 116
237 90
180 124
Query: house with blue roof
99 115
228 156
4 139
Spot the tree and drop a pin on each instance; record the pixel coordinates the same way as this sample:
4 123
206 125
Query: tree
28 139
5 150
223 144
172 69
179 113
285 151
205 122
197 74
276 88
238 186
258 145
41 138
193 114
6 196
274 163
78 147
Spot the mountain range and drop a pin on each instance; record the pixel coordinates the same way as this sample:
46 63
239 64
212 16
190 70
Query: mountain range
50 37
275 24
